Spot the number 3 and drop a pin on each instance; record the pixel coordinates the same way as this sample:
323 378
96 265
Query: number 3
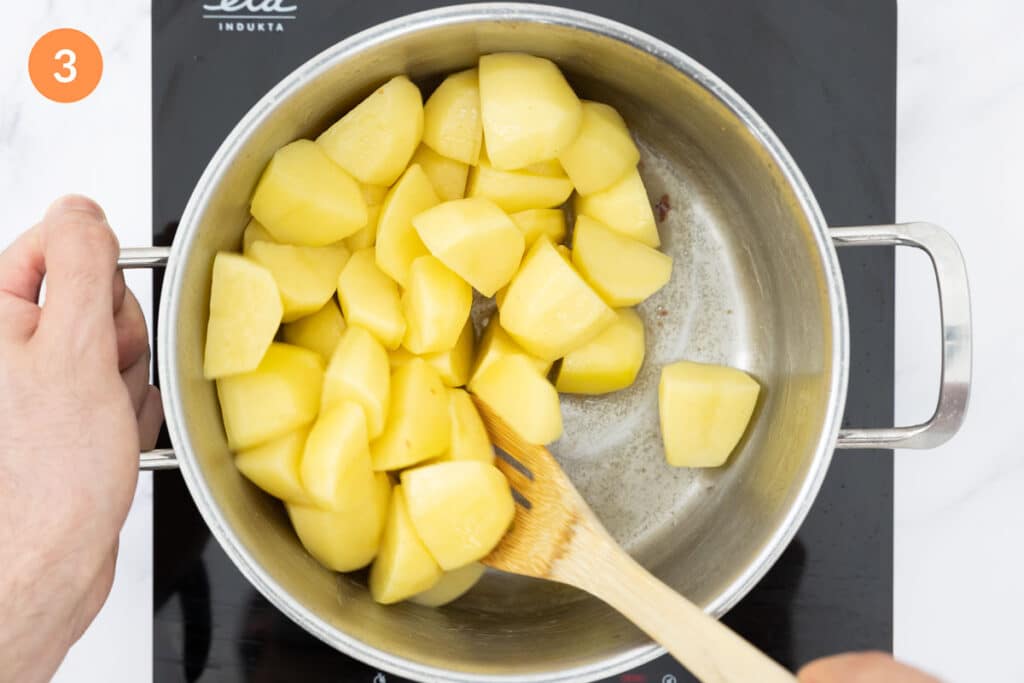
68 65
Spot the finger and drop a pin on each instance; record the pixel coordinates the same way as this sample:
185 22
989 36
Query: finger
132 334
21 277
151 418
862 667
80 253
136 380
119 289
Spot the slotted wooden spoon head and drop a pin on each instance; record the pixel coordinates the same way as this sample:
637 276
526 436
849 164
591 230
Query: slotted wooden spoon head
542 530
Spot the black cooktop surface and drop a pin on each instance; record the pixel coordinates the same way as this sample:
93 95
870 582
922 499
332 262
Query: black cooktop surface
822 73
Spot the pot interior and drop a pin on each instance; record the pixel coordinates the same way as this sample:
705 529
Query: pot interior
749 289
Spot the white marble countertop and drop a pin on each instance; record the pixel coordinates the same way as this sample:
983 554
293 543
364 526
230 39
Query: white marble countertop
959 510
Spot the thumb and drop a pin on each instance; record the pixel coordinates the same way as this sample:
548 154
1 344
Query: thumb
80 258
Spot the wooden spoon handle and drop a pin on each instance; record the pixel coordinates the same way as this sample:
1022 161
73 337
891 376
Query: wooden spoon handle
711 651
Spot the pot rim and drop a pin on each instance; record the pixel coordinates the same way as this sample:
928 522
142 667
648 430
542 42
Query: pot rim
522 12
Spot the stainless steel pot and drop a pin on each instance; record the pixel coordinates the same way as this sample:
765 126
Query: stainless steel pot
756 285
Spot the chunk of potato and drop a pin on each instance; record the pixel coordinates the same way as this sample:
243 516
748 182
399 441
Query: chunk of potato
375 140
417 426
436 307
494 344
623 271
398 243
602 153
343 541
516 191
318 332
358 371
254 232
281 395
530 112
451 365
608 362
274 466
459 509
451 118
623 207
245 311
536 222
404 567
522 397
306 199
448 176
369 298
335 466
704 411
366 236
451 586
305 276
549 309
469 436
474 238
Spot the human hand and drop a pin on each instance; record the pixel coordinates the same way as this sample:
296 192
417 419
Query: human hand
76 407
862 667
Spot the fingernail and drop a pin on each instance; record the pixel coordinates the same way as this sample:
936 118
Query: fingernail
76 203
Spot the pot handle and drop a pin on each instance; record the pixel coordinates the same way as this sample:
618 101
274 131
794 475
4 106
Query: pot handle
955 310
150 258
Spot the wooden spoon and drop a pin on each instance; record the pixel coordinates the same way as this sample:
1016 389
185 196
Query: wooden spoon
559 538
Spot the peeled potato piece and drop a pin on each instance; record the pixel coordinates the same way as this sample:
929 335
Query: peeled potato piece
530 112
704 411
474 238
318 332
398 243
369 298
448 176
436 306
417 426
623 271
254 232
367 235
281 395
305 276
358 371
459 509
245 310
608 362
451 365
451 118
522 397
335 466
404 566
344 541
536 222
451 586
515 191
306 199
375 140
623 207
494 344
549 309
469 439
274 467
602 153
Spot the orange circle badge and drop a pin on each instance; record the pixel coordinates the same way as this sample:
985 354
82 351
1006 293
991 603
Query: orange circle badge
65 65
